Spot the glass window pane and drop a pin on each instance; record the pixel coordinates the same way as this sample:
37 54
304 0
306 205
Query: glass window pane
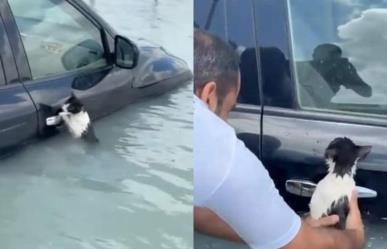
278 88
338 49
240 30
56 37
210 16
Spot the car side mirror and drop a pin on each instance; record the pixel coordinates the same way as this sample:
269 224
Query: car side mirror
125 53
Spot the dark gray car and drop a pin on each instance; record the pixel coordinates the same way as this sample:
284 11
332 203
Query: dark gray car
51 49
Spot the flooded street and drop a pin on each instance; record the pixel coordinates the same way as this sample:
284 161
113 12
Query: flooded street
134 190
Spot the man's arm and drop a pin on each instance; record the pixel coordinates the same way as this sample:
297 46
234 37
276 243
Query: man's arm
325 238
313 233
207 222
330 238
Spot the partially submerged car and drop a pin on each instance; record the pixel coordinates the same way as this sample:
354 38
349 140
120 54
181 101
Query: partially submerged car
311 71
51 49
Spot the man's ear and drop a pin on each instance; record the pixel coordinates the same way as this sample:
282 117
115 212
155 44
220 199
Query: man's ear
208 95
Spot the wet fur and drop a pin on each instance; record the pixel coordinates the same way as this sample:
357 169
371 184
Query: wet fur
331 197
340 207
333 192
77 120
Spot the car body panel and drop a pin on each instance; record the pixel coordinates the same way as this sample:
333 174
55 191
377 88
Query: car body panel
294 145
18 119
301 155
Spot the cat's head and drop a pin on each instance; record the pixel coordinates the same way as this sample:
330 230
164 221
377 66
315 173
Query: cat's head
73 105
342 156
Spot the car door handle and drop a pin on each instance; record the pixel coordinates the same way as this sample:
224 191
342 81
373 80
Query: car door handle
366 192
303 188
306 188
53 120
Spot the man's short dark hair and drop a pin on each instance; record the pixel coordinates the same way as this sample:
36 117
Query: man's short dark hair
214 60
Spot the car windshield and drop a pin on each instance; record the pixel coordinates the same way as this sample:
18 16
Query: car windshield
339 54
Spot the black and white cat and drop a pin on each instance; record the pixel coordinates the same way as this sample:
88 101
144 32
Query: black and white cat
77 120
333 192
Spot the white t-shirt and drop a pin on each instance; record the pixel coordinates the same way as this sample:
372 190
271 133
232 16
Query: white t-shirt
232 182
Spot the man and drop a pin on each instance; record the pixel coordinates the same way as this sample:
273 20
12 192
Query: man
234 196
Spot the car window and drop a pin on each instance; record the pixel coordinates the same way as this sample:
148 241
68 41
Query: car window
56 37
223 18
278 88
241 35
339 59
210 16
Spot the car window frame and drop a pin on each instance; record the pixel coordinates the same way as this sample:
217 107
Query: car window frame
239 107
333 115
257 52
298 112
8 64
280 44
107 32
22 63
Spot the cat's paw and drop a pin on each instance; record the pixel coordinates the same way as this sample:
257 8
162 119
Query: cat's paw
64 114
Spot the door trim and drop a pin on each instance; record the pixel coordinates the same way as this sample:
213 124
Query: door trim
326 115
316 115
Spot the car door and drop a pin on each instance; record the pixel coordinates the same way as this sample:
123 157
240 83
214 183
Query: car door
18 117
63 50
318 84
302 110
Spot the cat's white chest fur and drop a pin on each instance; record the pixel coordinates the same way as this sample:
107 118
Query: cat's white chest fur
76 123
331 188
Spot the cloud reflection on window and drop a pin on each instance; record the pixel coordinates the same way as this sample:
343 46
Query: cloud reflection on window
364 41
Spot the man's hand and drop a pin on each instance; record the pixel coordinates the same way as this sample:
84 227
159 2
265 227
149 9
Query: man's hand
314 234
317 236
354 221
322 222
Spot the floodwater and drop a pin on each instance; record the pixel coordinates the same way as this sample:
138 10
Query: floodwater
134 190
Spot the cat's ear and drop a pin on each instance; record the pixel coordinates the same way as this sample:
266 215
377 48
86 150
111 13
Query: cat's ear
330 153
71 97
363 151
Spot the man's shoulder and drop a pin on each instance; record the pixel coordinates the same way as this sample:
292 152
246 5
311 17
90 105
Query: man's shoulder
208 123
214 139
217 151
214 148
